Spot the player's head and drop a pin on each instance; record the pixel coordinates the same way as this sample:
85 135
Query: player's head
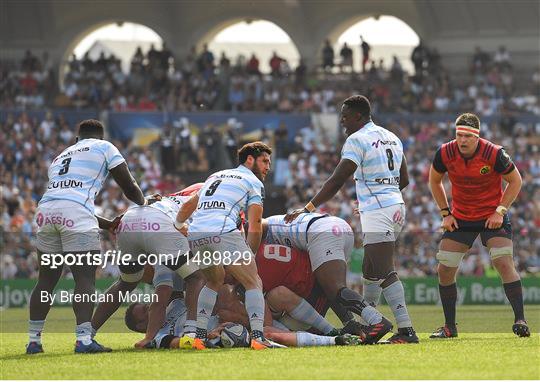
136 317
467 133
256 157
355 113
90 128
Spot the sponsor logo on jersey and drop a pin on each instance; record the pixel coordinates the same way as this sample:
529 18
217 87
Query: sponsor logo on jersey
69 183
70 153
394 180
485 170
383 143
212 205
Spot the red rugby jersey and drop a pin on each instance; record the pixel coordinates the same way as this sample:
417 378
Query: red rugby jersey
280 265
476 181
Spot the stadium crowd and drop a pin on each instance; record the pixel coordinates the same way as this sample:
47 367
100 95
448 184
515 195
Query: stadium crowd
158 81
28 145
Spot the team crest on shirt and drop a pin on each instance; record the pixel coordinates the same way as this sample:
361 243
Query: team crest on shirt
485 170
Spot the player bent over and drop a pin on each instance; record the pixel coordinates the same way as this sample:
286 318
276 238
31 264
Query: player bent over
66 224
476 168
150 230
214 232
375 156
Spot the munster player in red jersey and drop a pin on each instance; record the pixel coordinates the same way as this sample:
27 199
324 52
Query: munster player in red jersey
476 168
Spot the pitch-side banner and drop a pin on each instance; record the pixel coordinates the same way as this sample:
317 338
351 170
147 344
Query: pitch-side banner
146 127
471 290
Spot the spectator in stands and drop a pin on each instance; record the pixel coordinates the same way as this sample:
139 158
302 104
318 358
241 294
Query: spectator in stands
327 56
346 54
364 48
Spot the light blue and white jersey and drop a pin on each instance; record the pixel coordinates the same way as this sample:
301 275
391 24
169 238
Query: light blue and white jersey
221 199
293 234
378 153
169 205
78 173
175 318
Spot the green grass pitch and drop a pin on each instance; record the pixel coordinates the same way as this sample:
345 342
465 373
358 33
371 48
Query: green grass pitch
485 349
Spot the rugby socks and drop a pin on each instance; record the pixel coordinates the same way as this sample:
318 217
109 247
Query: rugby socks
94 332
308 339
34 330
448 300
372 291
304 312
255 309
190 327
514 293
83 332
394 295
205 305
356 304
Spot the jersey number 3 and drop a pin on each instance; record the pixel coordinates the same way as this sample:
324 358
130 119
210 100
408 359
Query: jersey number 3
65 168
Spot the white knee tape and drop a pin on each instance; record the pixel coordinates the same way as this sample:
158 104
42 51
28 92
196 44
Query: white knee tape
450 259
132 277
500 252
371 281
187 269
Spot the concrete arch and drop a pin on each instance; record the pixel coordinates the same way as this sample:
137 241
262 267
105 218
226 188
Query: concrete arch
71 40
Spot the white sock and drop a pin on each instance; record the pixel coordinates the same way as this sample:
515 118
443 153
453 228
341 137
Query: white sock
395 297
304 312
34 330
255 309
190 326
371 315
83 332
308 339
205 305
372 291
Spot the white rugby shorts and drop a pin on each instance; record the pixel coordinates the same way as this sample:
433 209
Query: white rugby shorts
66 226
383 224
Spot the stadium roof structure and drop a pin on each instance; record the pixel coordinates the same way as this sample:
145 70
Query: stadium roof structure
455 27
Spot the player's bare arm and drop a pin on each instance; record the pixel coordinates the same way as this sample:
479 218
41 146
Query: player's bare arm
403 174
128 184
254 235
449 222
514 182
108 225
156 314
185 213
332 185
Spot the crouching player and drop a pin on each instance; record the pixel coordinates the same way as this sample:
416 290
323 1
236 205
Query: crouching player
150 230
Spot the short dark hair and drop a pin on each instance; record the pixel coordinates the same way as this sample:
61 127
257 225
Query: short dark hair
360 104
468 119
91 127
130 320
255 149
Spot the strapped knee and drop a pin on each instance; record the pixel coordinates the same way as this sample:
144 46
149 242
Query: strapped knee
449 258
370 281
131 273
495 253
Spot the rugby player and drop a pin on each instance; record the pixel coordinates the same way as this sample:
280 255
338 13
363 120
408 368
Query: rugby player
150 230
375 156
214 231
476 168
66 224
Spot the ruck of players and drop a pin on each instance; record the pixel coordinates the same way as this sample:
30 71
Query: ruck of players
240 280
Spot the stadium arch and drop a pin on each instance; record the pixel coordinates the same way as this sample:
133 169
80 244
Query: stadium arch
292 53
73 39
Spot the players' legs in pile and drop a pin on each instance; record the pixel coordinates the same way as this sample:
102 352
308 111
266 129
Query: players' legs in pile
282 300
